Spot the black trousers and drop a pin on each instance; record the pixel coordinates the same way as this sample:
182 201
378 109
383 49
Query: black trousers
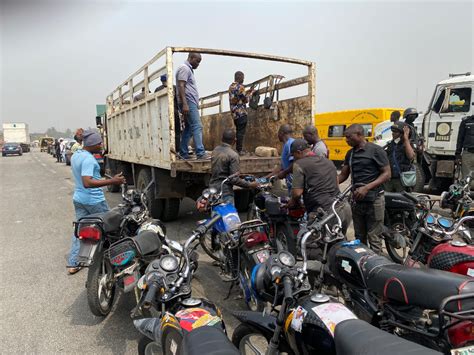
240 127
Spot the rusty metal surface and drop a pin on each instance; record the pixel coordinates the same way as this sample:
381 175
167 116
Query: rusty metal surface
262 128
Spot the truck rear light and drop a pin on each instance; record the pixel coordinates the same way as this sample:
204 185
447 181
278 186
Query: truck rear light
91 232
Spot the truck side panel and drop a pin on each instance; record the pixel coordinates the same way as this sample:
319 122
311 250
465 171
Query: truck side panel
141 134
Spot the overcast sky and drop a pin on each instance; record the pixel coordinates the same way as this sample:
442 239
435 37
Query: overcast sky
59 59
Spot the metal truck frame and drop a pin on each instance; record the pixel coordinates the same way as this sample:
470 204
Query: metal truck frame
139 137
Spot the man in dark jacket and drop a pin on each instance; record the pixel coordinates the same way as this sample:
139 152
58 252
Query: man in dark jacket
224 163
400 155
465 146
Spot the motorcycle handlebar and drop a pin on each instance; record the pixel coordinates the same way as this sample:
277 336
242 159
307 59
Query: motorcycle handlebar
287 290
150 295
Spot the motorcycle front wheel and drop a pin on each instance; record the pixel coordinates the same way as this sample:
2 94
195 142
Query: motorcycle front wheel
207 245
398 254
249 341
100 286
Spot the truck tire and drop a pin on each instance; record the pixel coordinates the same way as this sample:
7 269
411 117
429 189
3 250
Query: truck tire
420 179
170 209
154 205
242 200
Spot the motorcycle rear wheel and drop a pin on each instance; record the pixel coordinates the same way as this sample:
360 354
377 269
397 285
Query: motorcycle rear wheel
249 341
398 254
146 346
100 295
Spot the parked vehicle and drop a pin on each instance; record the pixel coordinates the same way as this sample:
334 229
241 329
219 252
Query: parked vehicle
117 246
305 321
237 246
282 223
45 142
331 126
431 307
17 132
439 126
167 311
11 149
139 137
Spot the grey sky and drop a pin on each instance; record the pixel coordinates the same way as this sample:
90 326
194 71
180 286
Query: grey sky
58 59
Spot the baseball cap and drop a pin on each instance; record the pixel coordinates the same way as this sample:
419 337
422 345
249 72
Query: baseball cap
299 145
398 126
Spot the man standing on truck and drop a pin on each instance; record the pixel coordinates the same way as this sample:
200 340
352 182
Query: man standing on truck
224 163
88 196
400 155
238 99
188 102
465 147
318 147
370 169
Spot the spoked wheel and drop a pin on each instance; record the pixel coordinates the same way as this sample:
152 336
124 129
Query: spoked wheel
147 346
284 238
249 341
211 248
100 286
399 254
254 304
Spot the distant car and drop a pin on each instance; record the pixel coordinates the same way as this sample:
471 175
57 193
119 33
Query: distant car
25 147
68 152
11 148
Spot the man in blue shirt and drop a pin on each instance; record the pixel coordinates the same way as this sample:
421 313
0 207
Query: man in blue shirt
88 196
188 103
284 171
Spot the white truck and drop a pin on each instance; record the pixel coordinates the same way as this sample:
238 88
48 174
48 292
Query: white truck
452 101
17 132
139 134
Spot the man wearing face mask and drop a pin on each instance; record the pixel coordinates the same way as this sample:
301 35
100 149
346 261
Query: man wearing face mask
400 155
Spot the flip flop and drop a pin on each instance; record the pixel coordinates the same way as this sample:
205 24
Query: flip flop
73 270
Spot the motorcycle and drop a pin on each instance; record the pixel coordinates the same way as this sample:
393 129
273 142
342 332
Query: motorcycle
306 320
167 312
237 246
116 246
431 307
282 223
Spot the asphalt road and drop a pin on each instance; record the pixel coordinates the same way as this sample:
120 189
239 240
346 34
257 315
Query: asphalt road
43 309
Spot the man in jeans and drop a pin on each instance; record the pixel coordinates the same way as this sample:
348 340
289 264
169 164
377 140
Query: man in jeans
238 98
370 169
188 102
88 196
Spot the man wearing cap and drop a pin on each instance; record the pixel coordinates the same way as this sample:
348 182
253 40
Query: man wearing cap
88 196
315 178
177 121
400 155
78 138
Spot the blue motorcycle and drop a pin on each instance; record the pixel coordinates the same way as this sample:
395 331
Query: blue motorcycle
235 245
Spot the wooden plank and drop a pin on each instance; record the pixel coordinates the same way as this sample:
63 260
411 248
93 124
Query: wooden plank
170 93
248 165
241 54
210 104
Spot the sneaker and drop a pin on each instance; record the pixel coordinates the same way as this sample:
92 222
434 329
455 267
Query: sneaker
205 156
182 157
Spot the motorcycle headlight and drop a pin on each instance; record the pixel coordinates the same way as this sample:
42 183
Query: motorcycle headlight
286 259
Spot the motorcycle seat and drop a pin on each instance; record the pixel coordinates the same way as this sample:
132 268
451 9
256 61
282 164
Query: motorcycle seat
423 287
147 242
354 337
207 340
110 219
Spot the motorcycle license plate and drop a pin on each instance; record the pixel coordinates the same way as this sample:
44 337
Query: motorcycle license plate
262 256
86 252
468 350
129 281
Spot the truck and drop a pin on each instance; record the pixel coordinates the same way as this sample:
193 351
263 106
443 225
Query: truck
139 135
17 132
451 101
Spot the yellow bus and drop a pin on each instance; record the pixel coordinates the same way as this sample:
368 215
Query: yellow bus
331 126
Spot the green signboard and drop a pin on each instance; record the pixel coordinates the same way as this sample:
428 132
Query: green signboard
100 110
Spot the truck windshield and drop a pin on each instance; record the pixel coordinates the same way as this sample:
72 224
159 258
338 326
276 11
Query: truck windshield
459 100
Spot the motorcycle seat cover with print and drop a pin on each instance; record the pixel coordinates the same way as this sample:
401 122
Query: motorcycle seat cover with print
355 336
426 288
207 340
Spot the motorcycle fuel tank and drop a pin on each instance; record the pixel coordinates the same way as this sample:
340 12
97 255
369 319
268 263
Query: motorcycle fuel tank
454 256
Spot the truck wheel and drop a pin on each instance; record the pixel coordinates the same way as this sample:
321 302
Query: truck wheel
154 205
242 200
420 179
170 209
438 185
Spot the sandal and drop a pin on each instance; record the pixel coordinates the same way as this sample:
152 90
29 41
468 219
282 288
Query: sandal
73 269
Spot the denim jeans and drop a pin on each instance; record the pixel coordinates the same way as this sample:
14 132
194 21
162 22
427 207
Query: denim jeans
193 127
83 211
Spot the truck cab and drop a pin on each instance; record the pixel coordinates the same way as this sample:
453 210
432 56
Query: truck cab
452 100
